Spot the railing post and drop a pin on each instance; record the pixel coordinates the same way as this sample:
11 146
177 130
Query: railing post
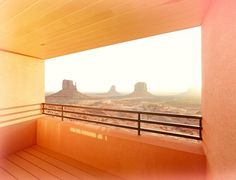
200 130
42 108
139 124
62 113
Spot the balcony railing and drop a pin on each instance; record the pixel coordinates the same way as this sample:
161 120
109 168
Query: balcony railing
185 126
20 113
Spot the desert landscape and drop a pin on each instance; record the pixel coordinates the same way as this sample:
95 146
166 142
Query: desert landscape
187 103
140 99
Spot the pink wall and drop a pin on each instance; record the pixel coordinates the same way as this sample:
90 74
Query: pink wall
219 89
16 137
123 154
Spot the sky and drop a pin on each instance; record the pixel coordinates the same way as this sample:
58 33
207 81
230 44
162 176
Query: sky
168 63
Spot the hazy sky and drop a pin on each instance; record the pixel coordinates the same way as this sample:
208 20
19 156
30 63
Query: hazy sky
167 63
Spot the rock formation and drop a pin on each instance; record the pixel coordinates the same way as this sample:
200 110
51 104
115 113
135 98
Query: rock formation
68 85
112 92
68 95
140 90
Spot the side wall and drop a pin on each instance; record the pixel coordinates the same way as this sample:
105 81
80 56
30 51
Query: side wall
17 136
21 80
219 89
121 153
21 92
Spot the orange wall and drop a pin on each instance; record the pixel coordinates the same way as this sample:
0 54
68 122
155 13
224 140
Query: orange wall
121 153
17 137
219 89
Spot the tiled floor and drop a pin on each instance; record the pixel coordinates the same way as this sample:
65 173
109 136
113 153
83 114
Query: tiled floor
39 163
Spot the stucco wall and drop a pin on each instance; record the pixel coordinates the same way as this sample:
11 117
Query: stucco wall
16 137
21 85
219 89
21 80
122 153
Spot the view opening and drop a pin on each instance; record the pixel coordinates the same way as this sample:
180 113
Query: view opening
158 73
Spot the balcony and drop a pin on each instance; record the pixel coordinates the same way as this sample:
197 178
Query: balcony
50 147
34 145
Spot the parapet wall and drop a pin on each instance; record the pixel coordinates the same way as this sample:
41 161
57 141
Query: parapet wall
123 153
16 137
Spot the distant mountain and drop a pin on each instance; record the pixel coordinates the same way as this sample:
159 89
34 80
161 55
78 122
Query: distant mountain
112 92
192 92
140 90
68 95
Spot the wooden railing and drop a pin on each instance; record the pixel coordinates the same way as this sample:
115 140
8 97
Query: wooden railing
178 125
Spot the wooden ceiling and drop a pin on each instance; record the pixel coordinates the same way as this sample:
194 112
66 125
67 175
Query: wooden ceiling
51 28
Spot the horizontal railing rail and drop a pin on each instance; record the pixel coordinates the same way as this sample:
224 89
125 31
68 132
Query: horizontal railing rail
9 114
179 125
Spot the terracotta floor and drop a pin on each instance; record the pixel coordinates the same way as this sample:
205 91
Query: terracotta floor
39 163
